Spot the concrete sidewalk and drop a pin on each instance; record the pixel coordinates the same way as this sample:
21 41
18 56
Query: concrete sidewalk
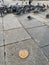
17 33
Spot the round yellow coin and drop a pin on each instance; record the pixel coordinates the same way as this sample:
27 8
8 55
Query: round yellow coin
23 53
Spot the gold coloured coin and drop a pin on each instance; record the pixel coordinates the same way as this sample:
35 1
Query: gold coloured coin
23 53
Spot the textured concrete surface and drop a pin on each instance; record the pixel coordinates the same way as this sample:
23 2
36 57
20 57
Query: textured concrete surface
1 38
29 23
1 24
20 33
10 21
46 51
35 55
17 33
2 56
40 34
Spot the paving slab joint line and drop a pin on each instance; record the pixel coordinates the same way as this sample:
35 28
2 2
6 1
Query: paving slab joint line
3 32
13 28
44 46
44 56
27 32
36 27
3 41
4 57
16 42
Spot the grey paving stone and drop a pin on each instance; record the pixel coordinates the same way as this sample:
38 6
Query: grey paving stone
15 35
10 21
47 64
29 23
1 38
1 24
0 20
43 15
35 54
46 51
2 56
40 34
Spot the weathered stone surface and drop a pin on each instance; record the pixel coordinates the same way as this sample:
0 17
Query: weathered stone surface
29 23
16 35
10 21
1 38
35 55
40 34
1 25
46 51
2 56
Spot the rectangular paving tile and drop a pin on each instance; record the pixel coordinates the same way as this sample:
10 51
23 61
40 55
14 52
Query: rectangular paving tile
15 35
46 51
10 21
40 34
29 23
35 56
1 38
2 56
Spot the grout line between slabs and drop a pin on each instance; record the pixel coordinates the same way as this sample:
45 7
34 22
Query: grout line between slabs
3 41
26 30
15 42
36 27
